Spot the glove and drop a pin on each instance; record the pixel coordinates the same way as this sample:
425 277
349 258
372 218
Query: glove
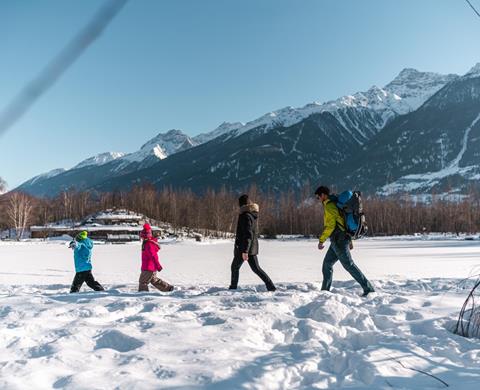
73 244
320 245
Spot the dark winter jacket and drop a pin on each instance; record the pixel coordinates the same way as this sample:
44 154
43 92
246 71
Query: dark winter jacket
246 239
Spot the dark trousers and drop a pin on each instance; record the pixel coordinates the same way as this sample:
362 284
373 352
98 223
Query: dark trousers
253 263
339 250
87 277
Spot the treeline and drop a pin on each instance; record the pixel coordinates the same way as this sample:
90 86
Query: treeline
285 213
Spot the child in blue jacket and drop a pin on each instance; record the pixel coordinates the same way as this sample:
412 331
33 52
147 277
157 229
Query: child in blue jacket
82 253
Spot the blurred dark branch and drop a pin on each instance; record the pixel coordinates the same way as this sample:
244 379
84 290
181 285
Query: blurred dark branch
58 65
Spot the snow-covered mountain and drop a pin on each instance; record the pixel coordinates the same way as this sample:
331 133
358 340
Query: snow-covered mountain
158 148
414 88
474 72
289 147
99 159
44 176
224 128
106 165
280 149
406 93
434 149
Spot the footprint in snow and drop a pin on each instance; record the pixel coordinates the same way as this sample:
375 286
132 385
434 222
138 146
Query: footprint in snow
386 310
163 373
149 307
41 351
399 300
5 311
118 306
413 316
118 341
189 307
209 319
63 382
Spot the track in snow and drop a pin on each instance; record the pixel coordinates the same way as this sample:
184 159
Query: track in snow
201 337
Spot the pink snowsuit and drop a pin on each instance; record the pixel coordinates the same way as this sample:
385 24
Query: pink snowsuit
150 248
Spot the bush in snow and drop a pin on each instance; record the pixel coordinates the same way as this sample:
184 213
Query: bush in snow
468 324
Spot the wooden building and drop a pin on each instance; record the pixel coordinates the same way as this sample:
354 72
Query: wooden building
116 225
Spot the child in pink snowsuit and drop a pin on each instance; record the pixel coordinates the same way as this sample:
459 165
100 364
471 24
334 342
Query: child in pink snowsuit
150 263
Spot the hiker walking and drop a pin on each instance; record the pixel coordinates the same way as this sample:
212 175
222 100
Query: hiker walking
82 254
334 227
246 243
150 263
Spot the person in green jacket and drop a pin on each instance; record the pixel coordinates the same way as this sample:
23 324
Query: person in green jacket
340 244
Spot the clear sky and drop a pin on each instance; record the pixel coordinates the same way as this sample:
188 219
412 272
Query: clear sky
192 64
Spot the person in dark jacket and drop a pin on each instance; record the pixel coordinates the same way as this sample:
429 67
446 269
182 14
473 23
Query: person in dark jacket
246 243
340 244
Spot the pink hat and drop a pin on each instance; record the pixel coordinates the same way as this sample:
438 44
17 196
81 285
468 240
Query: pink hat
147 227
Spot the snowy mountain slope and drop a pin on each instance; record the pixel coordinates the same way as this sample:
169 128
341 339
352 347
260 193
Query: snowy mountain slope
281 149
290 147
105 165
474 72
224 128
163 145
436 148
278 159
414 87
407 92
158 148
99 159
44 176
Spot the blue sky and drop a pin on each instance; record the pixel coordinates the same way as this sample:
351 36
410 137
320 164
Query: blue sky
192 64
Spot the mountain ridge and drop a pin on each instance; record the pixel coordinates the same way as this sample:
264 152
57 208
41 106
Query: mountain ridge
354 119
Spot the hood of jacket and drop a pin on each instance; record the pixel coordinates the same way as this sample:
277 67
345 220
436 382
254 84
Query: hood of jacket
251 208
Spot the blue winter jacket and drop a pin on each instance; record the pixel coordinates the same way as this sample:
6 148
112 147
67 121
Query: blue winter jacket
82 255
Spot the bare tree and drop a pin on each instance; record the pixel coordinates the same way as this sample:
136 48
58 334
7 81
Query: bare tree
3 186
19 213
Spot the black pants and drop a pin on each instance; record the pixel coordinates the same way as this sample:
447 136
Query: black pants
87 277
253 263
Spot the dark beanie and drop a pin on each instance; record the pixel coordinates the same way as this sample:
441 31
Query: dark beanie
322 190
243 200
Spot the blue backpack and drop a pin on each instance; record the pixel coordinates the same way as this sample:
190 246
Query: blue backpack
350 205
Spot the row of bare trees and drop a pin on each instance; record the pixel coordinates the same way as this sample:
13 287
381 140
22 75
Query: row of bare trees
287 213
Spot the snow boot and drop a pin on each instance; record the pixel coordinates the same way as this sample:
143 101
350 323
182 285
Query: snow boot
271 287
366 292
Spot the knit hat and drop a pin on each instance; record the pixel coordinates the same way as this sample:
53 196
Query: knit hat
147 227
82 235
243 200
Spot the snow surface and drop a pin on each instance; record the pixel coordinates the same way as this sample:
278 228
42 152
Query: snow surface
203 336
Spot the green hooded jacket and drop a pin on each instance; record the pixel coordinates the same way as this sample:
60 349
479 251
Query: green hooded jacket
331 219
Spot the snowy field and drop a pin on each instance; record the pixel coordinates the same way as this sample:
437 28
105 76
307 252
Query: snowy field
203 336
